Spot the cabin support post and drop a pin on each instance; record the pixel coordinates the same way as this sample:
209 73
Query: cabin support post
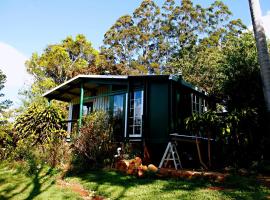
81 106
70 109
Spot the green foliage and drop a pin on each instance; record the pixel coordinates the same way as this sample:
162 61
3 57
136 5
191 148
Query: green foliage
38 137
240 88
5 103
5 124
235 131
167 39
39 125
60 62
240 82
94 146
202 124
5 128
63 61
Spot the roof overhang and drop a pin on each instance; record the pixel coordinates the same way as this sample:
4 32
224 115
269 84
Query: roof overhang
71 88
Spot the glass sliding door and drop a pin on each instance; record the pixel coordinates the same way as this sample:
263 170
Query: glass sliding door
135 114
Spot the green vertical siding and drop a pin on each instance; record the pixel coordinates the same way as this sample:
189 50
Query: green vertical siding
158 112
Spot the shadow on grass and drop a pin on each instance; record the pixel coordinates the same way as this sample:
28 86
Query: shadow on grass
234 187
106 182
38 181
117 186
39 177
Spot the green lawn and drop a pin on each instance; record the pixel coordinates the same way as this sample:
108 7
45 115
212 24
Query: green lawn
16 184
116 186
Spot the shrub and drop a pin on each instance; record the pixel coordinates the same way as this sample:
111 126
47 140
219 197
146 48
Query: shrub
40 137
234 132
94 146
40 124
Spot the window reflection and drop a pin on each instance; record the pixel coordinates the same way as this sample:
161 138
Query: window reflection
136 113
118 116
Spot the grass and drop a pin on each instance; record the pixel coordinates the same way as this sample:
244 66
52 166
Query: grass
117 186
41 184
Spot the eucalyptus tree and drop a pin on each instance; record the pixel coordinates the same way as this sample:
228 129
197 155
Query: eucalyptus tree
122 38
166 39
133 39
147 18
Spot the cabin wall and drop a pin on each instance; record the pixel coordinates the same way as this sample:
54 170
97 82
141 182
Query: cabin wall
102 103
158 112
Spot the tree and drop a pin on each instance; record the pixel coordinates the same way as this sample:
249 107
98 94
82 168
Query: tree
5 125
240 89
60 62
4 104
156 40
263 55
197 56
147 18
121 36
240 82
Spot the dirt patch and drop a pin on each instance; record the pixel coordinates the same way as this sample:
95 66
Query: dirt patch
216 188
78 188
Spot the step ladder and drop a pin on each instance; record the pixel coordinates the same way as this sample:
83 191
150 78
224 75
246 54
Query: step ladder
171 154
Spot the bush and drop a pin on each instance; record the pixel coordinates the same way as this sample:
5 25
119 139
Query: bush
58 154
55 154
235 133
40 124
94 146
39 137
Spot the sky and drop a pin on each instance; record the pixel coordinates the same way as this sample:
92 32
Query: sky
29 26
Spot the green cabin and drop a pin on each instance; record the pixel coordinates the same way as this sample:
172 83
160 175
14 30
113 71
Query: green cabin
145 109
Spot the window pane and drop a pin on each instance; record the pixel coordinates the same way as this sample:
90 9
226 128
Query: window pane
135 113
118 117
118 105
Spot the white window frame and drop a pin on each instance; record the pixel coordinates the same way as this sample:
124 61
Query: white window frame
199 102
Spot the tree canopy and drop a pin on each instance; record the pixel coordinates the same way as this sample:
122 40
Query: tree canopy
4 104
240 80
60 62
164 40
5 126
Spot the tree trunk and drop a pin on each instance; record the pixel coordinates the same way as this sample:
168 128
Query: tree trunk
263 55
199 153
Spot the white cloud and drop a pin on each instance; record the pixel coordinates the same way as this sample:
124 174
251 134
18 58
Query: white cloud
266 24
12 64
